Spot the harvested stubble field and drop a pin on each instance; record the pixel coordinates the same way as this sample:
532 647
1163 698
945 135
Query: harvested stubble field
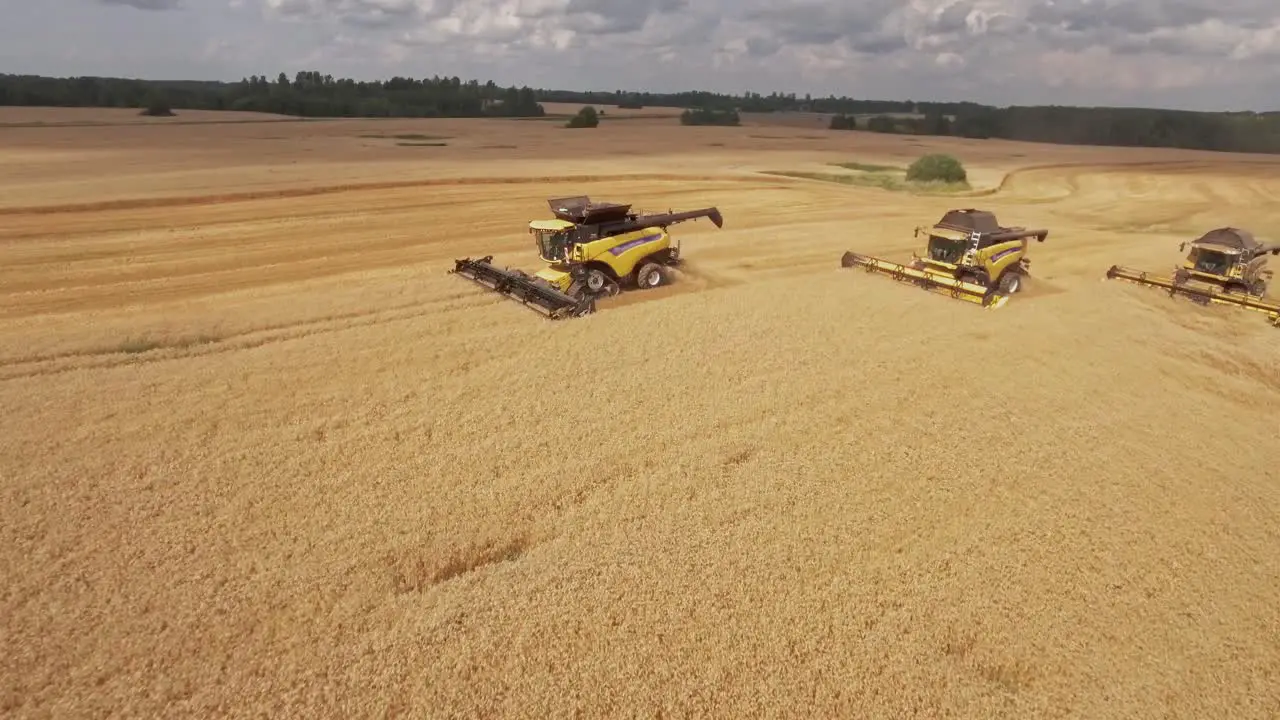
263 456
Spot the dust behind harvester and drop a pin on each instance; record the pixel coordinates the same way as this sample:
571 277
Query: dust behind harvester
591 250
1225 266
969 256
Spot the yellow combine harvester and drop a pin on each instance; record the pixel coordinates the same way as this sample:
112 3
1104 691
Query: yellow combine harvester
592 250
1226 265
970 257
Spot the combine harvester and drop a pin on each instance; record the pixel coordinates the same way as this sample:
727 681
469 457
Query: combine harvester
970 257
1227 266
592 250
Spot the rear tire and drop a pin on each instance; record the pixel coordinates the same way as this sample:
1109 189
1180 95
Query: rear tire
649 276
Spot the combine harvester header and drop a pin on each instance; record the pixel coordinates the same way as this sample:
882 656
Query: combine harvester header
1225 266
529 290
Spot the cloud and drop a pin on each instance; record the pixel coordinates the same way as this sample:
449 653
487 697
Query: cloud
359 13
1189 53
146 4
611 17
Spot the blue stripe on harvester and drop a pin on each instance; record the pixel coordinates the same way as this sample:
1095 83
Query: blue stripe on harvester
618 250
1002 253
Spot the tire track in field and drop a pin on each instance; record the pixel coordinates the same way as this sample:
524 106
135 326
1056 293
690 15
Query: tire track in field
185 240
301 192
1121 198
173 270
112 226
259 252
251 248
1108 206
106 358
90 227
115 295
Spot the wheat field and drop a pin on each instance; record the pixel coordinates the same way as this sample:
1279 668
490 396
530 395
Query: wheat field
263 456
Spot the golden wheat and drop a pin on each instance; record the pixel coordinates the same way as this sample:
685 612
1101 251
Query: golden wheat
261 455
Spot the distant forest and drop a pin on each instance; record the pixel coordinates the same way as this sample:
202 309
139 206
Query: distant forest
307 94
312 94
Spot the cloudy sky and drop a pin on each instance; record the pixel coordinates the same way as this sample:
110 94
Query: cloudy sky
1202 54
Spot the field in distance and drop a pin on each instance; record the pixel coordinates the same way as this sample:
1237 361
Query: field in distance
262 454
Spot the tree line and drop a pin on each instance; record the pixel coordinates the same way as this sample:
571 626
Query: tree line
1133 127
307 94
710 116
312 94
1125 127
751 102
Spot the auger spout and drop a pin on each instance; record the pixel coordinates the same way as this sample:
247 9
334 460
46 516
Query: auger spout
665 219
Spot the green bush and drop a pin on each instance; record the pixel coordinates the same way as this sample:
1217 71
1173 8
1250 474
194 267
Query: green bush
937 168
586 118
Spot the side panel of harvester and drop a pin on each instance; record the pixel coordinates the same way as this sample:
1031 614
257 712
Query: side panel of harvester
617 255
623 253
1000 257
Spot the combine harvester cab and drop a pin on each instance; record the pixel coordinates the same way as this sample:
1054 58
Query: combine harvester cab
590 250
969 256
1225 266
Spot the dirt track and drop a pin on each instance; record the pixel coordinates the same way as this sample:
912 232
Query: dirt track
262 454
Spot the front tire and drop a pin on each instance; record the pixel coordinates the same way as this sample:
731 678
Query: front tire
649 276
596 281
1010 283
